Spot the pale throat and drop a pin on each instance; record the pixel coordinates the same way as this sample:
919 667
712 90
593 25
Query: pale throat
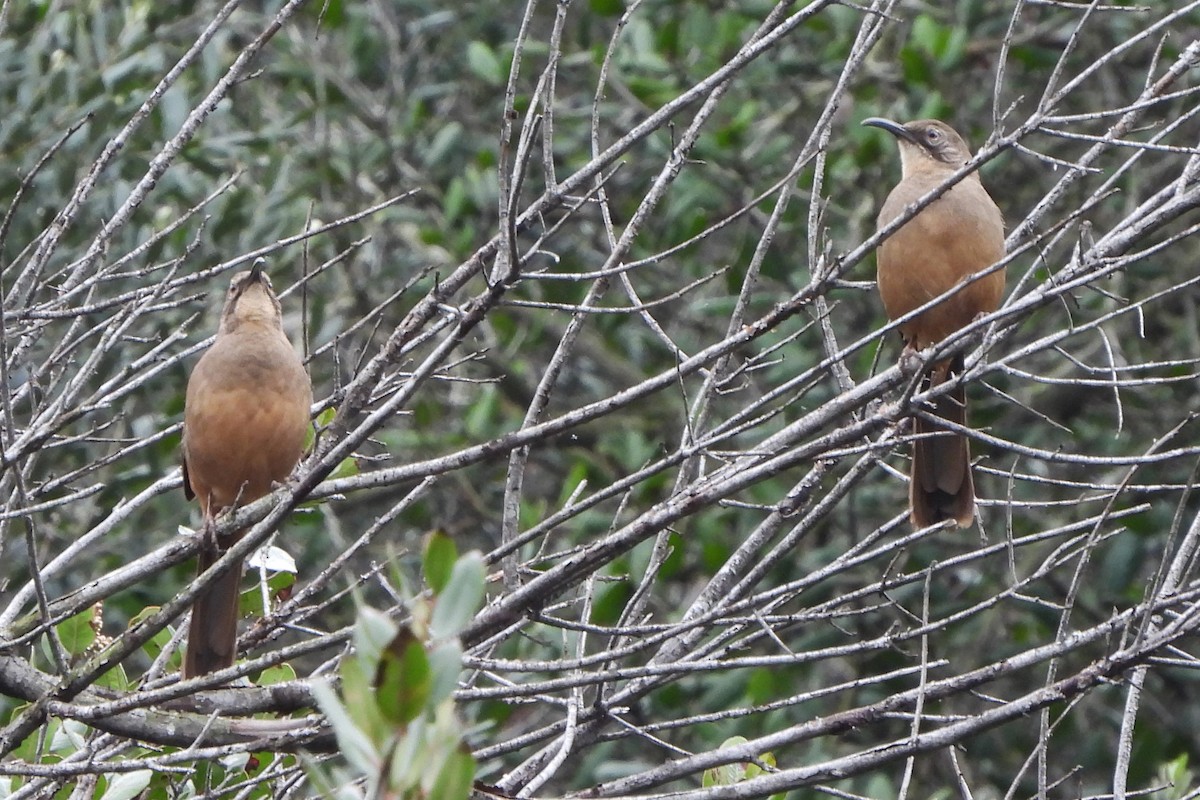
914 158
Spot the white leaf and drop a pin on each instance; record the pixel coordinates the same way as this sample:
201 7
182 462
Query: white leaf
127 785
273 559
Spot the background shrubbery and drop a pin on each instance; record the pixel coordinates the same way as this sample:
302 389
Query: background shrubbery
603 269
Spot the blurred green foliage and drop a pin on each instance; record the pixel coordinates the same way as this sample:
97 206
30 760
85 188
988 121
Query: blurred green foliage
355 103
393 713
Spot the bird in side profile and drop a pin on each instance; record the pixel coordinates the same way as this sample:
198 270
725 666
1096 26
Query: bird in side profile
957 236
245 421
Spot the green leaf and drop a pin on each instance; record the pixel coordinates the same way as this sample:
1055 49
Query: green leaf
399 580
482 412
457 604
358 695
403 678
440 555
955 47
1175 773
250 601
332 13
77 633
482 60
272 676
728 774
928 35
407 760
352 742
607 8
442 146
446 664
115 679
914 67
346 468
372 632
454 201
754 770
155 645
724 775
456 776
69 737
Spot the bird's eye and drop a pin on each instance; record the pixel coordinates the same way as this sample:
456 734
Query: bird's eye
933 135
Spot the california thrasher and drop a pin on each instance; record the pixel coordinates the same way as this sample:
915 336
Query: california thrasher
955 237
244 424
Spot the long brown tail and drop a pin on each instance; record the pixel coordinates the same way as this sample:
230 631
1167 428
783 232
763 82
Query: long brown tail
940 485
212 634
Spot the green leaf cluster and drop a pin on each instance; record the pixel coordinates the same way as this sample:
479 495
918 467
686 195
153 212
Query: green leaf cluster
737 772
393 713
